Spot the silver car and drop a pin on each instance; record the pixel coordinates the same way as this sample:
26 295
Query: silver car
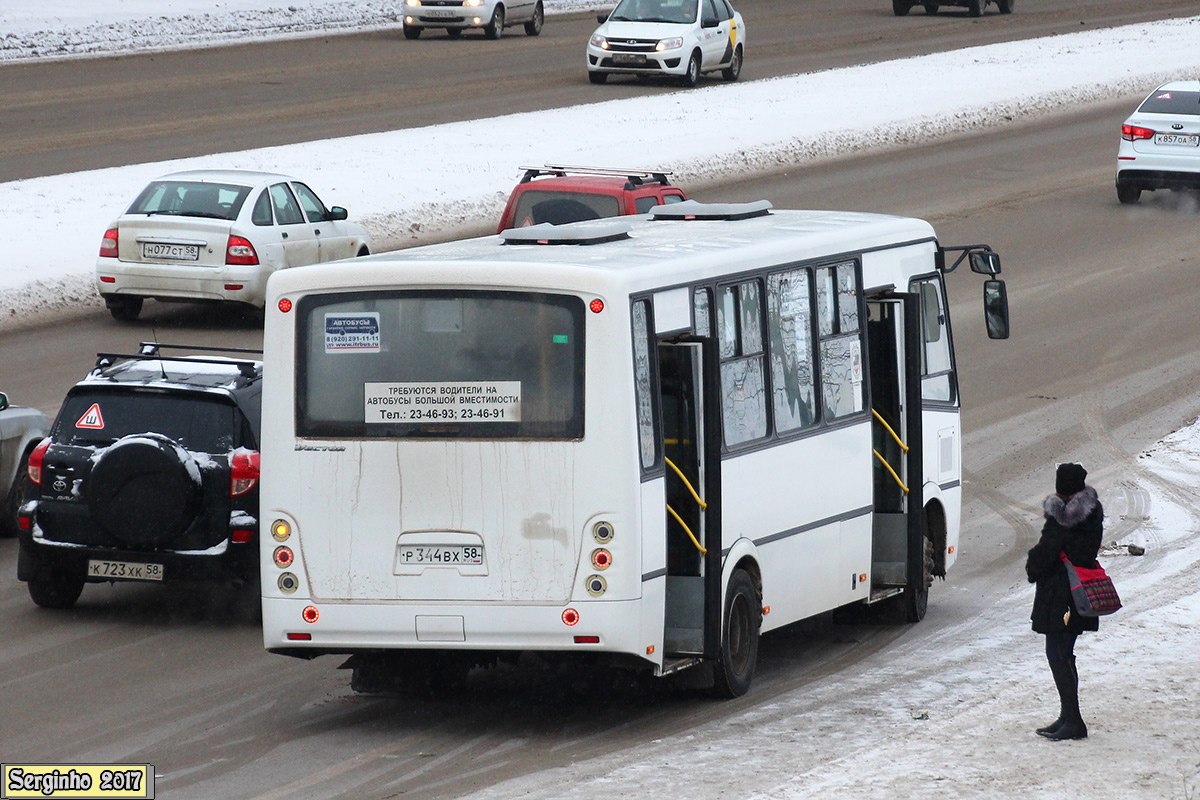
456 16
216 236
1160 142
21 429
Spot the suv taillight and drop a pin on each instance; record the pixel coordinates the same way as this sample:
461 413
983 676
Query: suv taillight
240 251
1131 133
108 245
36 459
243 472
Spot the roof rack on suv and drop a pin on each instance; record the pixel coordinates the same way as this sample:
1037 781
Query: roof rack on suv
151 351
633 177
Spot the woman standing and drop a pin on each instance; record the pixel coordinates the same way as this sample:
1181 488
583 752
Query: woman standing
1074 526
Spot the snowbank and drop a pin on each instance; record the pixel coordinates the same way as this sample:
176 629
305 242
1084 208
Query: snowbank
732 130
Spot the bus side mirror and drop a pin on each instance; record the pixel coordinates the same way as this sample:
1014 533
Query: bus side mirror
985 263
995 308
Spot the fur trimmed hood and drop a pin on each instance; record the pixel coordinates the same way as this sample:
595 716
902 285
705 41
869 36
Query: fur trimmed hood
1074 511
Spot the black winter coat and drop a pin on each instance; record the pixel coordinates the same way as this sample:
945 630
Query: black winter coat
1075 527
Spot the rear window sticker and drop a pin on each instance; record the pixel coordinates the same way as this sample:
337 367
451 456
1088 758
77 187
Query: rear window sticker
352 333
92 418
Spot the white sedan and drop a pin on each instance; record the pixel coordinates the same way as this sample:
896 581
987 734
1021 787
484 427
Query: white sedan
678 38
456 16
206 235
1160 142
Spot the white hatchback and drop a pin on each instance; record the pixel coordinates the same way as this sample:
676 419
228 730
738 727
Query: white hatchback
678 38
216 235
1160 142
456 16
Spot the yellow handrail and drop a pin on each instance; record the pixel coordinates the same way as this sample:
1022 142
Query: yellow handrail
686 482
883 461
883 422
703 550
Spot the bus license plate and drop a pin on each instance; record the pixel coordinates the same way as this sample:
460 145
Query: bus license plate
448 555
124 570
175 252
1178 139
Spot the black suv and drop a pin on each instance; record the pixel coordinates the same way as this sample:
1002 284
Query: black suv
150 473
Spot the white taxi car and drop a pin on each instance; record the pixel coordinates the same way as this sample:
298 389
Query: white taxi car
206 235
678 38
1160 142
456 16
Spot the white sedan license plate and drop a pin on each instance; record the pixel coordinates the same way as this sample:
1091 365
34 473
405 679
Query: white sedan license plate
628 58
446 555
125 570
434 12
1178 139
173 252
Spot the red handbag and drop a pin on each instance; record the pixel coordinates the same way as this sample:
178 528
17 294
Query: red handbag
1092 590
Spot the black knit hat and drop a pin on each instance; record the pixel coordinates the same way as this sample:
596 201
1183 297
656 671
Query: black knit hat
1069 479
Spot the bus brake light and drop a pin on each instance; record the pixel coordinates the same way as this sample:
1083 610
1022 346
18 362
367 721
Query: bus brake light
570 617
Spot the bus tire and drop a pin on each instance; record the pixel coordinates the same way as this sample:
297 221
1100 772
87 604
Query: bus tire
739 637
916 599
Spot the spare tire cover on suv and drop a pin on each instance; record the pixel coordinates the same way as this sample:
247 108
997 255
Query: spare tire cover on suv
144 490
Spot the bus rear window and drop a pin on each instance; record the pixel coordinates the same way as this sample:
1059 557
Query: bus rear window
436 364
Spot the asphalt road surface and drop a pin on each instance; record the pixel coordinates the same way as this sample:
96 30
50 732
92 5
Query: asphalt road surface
65 116
1103 361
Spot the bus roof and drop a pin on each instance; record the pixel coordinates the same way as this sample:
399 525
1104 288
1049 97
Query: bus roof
656 253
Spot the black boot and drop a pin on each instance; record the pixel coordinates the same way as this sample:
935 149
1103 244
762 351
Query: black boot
1066 679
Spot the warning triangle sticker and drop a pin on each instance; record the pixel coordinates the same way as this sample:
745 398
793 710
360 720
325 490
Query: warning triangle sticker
92 418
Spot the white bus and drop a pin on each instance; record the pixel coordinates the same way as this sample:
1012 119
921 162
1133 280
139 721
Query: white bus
645 439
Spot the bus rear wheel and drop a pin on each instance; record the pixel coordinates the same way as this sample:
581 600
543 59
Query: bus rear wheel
739 637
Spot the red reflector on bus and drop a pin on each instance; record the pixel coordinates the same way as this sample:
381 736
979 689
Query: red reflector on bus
587 640
241 537
106 279
233 287
300 637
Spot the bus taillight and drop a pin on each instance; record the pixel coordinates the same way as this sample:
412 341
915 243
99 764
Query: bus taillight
310 614
569 617
601 558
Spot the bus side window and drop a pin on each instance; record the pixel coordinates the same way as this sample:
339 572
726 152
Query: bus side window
841 345
743 393
937 369
789 325
701 319
643 389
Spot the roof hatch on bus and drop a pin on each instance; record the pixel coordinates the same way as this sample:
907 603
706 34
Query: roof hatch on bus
691 209
571 233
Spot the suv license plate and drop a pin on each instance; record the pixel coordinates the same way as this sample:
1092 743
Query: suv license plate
448 555
175 252
124 570
1178 139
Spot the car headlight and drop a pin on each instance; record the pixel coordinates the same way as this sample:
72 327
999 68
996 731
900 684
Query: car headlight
473 3
412 3
599 41
669 44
